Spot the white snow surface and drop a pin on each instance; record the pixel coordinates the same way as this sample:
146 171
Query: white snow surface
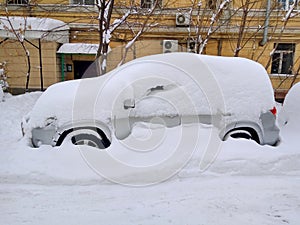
1 94
246 183
79 48
32 23
34 28
291 106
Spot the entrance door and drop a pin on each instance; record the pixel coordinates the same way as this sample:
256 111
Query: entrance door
80 67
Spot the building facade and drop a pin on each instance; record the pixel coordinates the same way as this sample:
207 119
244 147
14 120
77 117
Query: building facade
62 47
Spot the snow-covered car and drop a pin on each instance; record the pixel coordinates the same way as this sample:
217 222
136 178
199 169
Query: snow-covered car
232 94
290 109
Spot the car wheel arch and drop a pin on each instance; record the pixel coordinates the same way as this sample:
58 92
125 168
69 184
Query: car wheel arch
100 128
250 127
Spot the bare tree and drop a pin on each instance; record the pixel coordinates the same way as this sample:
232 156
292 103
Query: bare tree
19 35
107 27
208 21
286 18
242 26
144 27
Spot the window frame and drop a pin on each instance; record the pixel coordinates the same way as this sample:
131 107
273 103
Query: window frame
285 4
72 2
283 54
17 2
148 4
213 4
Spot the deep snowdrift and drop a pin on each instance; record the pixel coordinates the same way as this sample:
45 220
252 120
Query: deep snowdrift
67 163
246 183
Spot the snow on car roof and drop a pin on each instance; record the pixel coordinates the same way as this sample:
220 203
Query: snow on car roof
231 85
229 69
238 80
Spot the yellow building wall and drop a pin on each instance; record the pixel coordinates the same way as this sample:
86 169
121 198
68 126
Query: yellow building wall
16 67
69 60
83 22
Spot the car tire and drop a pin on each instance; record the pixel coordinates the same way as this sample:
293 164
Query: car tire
244 134
88 140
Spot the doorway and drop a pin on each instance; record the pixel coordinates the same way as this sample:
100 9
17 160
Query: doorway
80 67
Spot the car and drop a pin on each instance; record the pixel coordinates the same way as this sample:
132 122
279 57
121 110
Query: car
289 112
232 94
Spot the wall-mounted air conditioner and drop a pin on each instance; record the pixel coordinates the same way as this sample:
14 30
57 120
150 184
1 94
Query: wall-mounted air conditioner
182 19
170 46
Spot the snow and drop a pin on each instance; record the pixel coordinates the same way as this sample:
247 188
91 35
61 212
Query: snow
192 93
214 82
1 94
243 183
118 22
106 37
78 48
291 106
246 184
63 105
34 28
33 23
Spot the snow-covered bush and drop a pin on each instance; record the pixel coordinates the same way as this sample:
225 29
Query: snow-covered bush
3 78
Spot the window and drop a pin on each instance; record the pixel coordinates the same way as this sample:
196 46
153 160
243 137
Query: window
83 2
216 4
212 4
283 59
148 4
17 2
285 4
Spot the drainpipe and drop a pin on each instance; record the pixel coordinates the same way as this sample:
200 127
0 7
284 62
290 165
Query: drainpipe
62 67
266 25
41 66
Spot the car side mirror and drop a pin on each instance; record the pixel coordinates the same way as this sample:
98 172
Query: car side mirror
129 103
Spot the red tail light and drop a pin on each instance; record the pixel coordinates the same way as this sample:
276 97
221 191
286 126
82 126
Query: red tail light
273 111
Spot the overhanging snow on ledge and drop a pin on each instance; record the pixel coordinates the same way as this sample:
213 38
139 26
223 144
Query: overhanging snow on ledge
34 28
79 48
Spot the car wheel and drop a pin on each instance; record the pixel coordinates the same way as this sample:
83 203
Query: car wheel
89 140
245 134
240 134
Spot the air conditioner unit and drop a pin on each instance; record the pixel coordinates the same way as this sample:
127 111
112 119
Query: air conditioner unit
170 46
182 19
191 46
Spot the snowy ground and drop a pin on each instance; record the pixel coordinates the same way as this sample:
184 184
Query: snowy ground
246 184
